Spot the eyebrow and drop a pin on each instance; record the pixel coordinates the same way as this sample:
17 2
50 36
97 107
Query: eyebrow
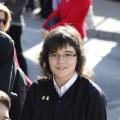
64 51
69 51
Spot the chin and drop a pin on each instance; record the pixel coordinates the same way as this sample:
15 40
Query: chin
61 75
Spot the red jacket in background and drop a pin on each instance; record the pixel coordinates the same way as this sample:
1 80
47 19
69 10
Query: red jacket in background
72 12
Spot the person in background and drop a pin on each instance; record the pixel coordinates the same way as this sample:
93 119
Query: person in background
65 90
71 12
46 8
11 79
16 27
7 65
30 6
5 104
89 19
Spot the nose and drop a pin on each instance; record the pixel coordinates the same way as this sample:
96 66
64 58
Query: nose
60 58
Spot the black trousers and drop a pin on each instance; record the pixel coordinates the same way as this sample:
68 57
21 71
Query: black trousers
46 8
15 32
30 4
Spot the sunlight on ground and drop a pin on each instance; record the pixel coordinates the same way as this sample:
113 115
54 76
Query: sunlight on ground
96 50
28 29
33 52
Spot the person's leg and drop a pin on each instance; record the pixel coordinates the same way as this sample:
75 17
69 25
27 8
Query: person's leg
41 3
46 9
15 32
30 5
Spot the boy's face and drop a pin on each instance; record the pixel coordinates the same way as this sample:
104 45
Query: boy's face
4 112
63 63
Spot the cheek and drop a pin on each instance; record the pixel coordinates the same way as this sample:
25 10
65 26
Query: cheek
51 64
74 63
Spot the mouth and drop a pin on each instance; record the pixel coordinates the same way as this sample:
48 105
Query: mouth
61 68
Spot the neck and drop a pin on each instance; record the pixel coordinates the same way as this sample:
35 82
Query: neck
62 81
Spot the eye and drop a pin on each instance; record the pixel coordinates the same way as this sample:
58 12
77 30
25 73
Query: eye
68 54
53 55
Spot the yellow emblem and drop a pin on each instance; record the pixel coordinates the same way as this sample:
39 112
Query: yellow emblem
43 97
47 98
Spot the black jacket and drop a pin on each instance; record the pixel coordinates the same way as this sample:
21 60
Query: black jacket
11 81
7 64
84 100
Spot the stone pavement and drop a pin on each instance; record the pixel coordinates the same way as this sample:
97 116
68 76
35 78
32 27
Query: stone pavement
107 19
102 50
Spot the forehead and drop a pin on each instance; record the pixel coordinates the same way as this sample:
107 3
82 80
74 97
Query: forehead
59 44
63 49
66 48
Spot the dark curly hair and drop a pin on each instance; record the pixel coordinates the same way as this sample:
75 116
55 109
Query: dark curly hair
57 39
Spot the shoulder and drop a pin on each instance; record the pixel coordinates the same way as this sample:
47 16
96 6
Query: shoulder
91 92
92 88
6 46
40 84
5 38
94 98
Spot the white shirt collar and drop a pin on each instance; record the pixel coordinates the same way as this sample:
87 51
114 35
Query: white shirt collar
65 87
